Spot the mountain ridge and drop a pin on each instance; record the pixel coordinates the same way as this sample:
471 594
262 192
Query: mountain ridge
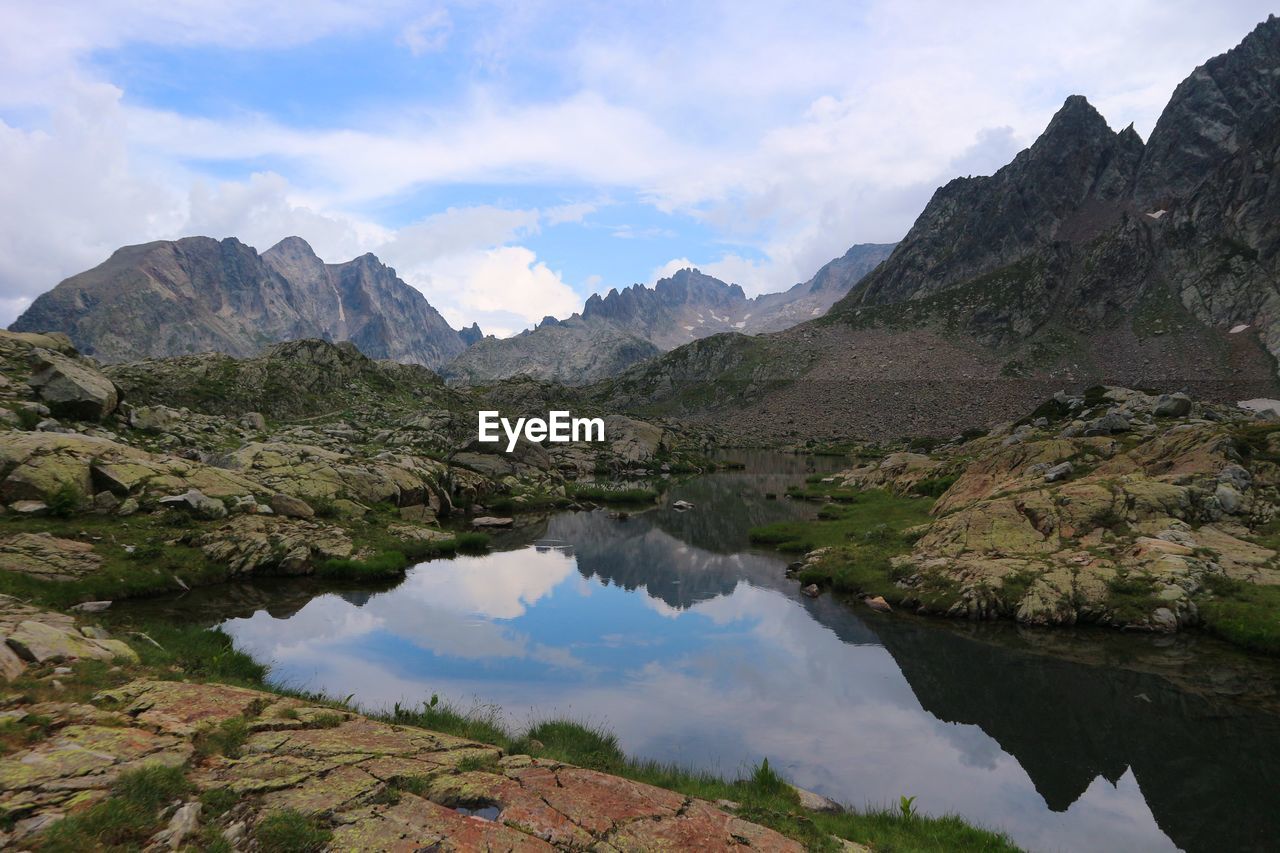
624 327
199 294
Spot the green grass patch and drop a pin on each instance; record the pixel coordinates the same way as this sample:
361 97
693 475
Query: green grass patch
19 734
226 738
290 831
874 517
1131 597
139 557
933 487
65 502
863 533
482 723
125 820
1243 613
392 563
218 801
1014 586
602 493
589 745
388 564
202 653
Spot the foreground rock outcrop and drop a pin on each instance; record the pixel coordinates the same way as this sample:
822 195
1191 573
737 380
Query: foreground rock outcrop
367 785
1114 507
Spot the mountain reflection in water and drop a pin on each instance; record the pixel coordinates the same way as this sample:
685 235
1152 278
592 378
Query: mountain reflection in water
666 628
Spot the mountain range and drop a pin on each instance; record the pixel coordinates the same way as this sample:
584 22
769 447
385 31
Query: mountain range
197 294
624 327
1091 257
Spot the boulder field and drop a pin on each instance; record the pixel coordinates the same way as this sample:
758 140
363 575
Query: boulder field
351 458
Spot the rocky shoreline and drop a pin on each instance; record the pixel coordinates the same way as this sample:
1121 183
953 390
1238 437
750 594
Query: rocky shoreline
1116 507
367 785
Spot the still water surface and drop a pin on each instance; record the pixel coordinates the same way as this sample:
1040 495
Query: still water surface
668 629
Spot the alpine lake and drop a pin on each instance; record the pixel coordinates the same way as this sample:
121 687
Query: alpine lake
671 630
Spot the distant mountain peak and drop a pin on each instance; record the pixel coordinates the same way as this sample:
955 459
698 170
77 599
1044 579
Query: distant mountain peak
198 294
627 325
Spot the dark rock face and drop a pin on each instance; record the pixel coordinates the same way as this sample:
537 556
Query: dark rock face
203 295
1228 105
625 327
1068 185
1090 227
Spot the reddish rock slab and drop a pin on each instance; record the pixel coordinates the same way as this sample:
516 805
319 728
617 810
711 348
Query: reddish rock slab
699 827
414 824
595 801
520 807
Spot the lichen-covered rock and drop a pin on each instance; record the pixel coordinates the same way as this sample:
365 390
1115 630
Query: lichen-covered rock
153 418
1129 538
48 557
197 503
40 642
248 544
290 507
72 387
339 767
38 465
309 472
899 472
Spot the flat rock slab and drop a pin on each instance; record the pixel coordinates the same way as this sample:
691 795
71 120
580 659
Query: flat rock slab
336 765
80 759
176 707
48 557
40 642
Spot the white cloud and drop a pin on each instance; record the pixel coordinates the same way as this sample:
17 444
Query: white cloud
427 33
790 131
504 289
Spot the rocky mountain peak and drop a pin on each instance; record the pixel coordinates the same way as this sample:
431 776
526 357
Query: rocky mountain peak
1076 120
292 247
1229 103
198 294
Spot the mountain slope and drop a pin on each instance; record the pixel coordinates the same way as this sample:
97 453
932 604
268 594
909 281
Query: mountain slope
625 327
198 294
572 351
1090 258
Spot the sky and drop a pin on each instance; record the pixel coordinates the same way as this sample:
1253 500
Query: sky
511 158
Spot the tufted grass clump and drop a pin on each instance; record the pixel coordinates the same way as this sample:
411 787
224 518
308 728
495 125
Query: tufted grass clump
65 502
125 820
204 653
291 831
227 738
610 494
1243 613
